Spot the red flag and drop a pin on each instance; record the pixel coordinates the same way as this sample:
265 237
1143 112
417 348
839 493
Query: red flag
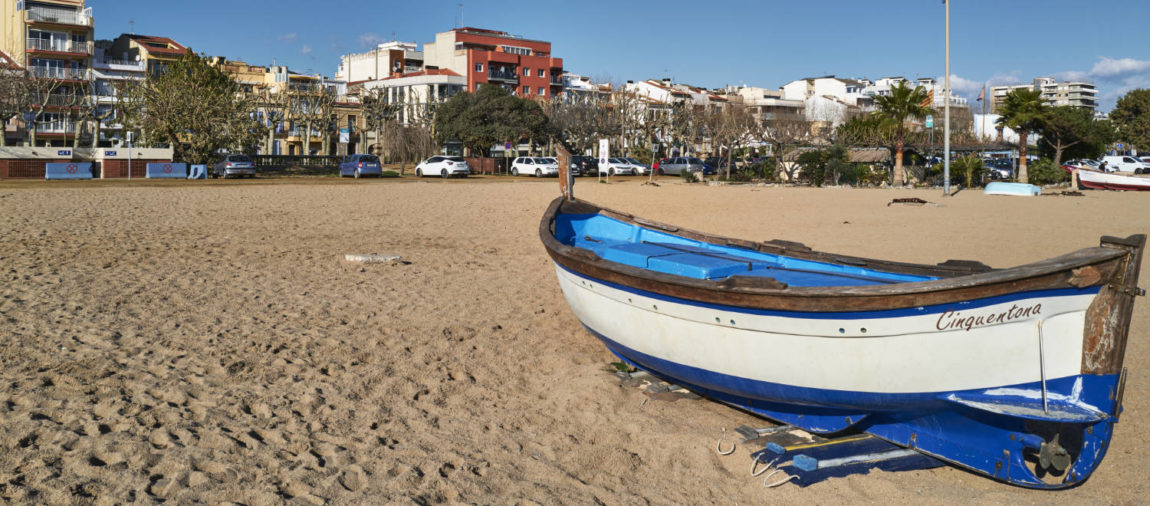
982 94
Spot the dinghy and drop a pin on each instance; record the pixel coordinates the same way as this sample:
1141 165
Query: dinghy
1015 373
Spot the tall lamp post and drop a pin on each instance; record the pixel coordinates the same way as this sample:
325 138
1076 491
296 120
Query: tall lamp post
946 114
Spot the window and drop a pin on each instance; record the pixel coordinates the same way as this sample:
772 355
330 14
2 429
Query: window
542 73
526 72
541 92
526 90
479 67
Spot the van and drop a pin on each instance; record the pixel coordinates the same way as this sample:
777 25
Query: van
1125 163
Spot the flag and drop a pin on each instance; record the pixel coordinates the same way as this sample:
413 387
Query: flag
929 100
982 94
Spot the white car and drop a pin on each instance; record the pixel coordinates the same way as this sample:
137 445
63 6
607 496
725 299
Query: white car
640 168
443 166
617 167
534 166
1124 164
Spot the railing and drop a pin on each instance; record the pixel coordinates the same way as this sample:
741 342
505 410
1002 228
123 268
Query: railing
59 101
60 15
138 66
285 161
55 128
507 76
555 81
59 73
59 46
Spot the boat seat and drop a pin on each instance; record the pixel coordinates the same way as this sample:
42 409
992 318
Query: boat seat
695 265
633 254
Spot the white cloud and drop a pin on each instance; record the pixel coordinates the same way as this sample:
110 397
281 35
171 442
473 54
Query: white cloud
288 37
305 50
1112 69
963 86
1001 79
370 40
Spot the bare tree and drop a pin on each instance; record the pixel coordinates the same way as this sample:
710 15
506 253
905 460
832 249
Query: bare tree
40 93
785 132
311 106
14 86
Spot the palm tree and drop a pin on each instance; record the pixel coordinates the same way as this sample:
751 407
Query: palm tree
1023 111
904 103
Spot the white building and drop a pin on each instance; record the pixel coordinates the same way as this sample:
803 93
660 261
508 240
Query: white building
765 104
387 59
577 88
111 75
849 91
417 92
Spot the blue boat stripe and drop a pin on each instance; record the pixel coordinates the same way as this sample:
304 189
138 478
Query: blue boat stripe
851 315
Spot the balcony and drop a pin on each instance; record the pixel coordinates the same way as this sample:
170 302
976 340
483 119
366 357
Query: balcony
59 16
60 46
508 75
59 73
56 127
120 65
57 100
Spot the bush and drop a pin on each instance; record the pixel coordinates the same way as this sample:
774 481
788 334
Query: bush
970 168
1045 171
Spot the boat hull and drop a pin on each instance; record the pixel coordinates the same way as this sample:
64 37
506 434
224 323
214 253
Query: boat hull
1112 181
942 401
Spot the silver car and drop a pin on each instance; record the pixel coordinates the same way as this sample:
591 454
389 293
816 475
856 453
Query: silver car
678 164
234 165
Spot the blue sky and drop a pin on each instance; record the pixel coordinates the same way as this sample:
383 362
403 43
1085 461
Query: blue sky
759 43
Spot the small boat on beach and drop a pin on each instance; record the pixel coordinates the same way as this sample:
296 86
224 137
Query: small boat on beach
1099 180
1016 374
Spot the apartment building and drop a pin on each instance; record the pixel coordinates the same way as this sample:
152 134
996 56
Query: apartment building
157 53
581 89
766 104
849 91
1067 93
52 40
523 66
415 94
386 60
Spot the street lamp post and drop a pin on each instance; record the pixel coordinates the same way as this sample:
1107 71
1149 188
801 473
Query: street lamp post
946 114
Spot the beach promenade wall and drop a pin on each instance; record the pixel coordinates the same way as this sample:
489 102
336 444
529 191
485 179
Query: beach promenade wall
21 162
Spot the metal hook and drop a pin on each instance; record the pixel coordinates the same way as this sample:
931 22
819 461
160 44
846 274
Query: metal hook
719 445
779 483
755 465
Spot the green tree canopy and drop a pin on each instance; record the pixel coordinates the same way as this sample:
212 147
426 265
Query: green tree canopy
198 109
1132 117
904 103
1072 132
1023 111
488 117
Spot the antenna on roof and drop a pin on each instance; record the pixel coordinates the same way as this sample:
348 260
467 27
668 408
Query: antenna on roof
460 15
132 26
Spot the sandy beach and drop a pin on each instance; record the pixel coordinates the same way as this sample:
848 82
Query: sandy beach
207 342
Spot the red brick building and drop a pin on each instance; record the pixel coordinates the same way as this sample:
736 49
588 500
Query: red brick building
523 66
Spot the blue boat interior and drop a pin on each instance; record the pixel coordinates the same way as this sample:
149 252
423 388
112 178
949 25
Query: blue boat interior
663 252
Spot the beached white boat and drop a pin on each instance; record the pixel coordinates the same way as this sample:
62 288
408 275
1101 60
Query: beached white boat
1015 373
1112 180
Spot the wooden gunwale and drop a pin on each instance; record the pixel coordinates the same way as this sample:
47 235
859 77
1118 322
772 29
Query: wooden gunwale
960 282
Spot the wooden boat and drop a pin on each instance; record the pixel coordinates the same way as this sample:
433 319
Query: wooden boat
1014 373
1112 180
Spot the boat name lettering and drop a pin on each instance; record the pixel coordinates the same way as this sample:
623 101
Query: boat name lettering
955 319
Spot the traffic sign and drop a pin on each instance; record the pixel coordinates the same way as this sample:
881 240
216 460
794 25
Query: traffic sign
930 121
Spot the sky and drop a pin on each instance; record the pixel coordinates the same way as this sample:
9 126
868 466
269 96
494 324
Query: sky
764 43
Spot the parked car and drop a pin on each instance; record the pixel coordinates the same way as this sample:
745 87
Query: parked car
584 165
1083 163
678 164
234 165
534 166
1122 163
999 168
443 166
360 165
640 167
718 162
616 167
